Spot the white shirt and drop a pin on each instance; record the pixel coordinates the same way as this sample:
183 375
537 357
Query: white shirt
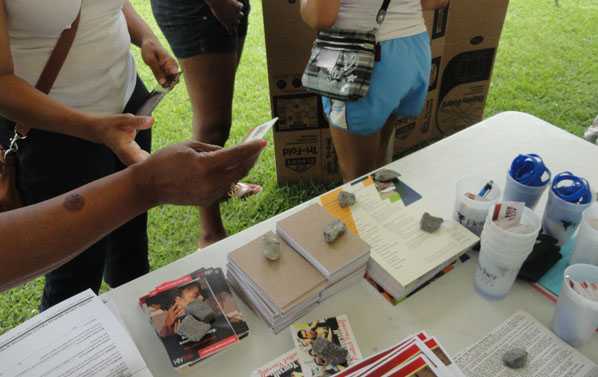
404 18
99 73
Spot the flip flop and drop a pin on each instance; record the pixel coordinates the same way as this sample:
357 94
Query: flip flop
244 190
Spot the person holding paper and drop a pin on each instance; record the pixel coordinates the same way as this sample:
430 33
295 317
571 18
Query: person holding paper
75 138
41 237
207 36
362 130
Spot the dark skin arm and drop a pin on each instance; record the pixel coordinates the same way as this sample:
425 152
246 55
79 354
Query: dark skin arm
164 67
320 14
39 238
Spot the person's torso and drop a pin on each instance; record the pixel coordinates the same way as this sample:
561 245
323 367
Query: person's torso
403 19
99 73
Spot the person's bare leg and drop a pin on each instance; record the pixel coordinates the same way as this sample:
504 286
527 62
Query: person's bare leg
387 142
210 80
357 155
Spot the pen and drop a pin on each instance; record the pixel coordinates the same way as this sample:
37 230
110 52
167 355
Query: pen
486 189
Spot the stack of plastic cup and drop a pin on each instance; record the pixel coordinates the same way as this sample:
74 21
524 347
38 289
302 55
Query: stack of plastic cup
527 180
569 196
576 317
472 213
586 243
502 254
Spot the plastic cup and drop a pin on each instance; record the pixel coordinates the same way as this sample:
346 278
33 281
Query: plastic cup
561 218
518 192
576 317
472 213
586 244
502 255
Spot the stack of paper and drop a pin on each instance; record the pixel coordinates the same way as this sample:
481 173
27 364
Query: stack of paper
419 355
170 307
79 337
403 257
284 290
548 356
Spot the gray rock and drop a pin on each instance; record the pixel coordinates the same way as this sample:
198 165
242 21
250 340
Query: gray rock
515 358
333 231
201 310
193 329
346 199
430 223
386 175
271 246
332 353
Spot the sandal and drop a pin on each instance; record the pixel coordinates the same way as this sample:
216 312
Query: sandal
242 190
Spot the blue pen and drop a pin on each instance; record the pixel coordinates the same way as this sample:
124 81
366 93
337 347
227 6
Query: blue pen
486 189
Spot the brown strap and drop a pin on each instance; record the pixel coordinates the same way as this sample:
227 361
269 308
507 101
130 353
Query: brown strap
54 65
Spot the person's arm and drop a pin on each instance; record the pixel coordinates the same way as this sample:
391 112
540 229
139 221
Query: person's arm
434 4
320 14
41 237
22 103
164 67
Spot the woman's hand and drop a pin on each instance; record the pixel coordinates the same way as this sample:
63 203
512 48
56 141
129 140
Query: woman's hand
162 64
228 13
118 133
193 173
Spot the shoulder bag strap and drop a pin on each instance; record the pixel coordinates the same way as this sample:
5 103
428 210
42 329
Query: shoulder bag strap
53 66
382 12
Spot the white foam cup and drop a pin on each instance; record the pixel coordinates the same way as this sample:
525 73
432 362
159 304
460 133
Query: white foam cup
586 243
518 192
502 254
576 317
469 212
561 217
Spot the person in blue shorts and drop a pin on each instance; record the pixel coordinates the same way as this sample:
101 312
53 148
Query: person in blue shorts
361 131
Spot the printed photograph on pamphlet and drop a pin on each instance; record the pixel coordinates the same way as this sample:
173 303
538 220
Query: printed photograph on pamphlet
392 188
286 365
195 316
336 330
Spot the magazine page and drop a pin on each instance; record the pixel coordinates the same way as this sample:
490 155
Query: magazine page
418 367
334 329
548 355
286 365
170 310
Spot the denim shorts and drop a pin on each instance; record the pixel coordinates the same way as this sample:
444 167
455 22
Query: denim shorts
191 29
399 86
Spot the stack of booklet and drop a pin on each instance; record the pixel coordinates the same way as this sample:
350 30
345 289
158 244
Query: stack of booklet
418 355
308 271
194 316
403 256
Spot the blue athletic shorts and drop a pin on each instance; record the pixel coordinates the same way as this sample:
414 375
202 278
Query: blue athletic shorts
399 85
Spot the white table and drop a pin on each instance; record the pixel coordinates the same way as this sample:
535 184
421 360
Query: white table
449 308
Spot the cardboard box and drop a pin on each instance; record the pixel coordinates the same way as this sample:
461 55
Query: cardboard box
464 39
473 35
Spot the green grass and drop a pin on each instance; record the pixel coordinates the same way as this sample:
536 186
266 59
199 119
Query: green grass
546 66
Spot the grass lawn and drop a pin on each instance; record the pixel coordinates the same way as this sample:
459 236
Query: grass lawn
546 66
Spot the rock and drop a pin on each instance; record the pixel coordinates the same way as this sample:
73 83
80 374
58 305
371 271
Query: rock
430 223
271 247
201 310
330 352
334 230
193 329
346 199
515 358
386 175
